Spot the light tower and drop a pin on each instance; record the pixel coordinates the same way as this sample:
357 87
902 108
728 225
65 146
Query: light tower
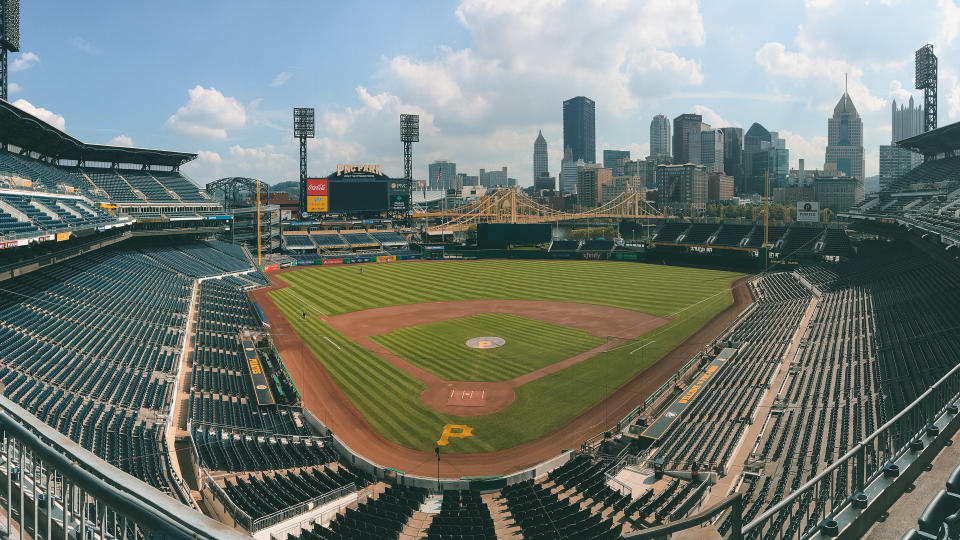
9 38
303 127
409 134
926 80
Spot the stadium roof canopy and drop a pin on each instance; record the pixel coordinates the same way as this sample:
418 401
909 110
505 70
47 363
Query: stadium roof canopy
938 141
22 129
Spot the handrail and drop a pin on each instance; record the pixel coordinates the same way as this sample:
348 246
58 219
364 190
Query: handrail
860 477
127 495
299 508
734 501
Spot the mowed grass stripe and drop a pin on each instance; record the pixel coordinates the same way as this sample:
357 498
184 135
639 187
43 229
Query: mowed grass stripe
390 398
621 284
440 347
365 378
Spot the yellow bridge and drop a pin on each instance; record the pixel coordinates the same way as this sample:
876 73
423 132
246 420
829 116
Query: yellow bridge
514 206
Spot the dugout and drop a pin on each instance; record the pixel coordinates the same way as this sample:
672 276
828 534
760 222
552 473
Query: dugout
504 235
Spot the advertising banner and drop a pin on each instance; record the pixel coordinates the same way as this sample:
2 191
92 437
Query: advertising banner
270 268
808 211
327 262
317 195
61 236
386 258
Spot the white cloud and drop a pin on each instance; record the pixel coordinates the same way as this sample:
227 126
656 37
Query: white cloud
823 76
276 118
209 156
208 114
206 168
49 117
121 140
25 61
281 78
949 21
812 150
84 46
13 88
951 86
712 117
899 93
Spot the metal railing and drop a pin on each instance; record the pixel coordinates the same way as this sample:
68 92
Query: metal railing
733 502
287 513
56 489
836 486
663 388
240 516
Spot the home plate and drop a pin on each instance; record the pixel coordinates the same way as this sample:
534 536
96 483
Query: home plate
467 398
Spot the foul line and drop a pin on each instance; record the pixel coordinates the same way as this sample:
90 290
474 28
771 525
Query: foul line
332 343
642 346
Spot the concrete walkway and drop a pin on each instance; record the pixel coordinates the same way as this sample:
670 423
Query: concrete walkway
904 512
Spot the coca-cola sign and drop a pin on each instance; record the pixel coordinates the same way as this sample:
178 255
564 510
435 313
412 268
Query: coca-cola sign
316 186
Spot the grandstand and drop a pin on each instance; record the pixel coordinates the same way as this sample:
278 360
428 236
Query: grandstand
793 241
41 159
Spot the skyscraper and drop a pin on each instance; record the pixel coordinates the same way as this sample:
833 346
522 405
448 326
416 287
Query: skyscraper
711 150
845 143
446 171
681 187
568 175
591 178
540 162
660 136
580 129
613 160
755 141
907 121
686 138
733 156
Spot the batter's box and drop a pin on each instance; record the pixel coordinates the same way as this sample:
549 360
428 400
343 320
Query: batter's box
467 398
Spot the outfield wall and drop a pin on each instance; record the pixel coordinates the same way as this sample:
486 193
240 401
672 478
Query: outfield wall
335 261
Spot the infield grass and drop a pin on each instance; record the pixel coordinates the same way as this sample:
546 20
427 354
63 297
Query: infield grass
389 398
440 347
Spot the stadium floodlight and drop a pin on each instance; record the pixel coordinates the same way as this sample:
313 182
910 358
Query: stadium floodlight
925 78
303 129
409 134
9 38
303 122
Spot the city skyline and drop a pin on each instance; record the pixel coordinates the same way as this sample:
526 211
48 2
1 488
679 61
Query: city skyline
481 96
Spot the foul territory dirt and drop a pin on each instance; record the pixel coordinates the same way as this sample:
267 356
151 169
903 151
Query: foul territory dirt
324 398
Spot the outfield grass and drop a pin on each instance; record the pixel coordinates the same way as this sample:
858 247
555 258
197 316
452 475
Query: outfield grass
654 289
389 398
530 344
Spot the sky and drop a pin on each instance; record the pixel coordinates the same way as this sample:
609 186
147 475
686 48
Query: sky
220 78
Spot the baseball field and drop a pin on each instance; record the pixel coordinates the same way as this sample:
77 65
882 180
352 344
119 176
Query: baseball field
393 339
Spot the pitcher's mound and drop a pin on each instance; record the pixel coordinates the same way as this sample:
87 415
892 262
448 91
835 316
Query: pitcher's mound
486 342
467 398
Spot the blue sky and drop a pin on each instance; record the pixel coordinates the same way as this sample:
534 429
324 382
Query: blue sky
221 78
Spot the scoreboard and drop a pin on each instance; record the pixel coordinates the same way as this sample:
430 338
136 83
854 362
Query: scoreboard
357 190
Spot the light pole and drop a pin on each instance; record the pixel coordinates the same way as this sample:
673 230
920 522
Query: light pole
437 450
